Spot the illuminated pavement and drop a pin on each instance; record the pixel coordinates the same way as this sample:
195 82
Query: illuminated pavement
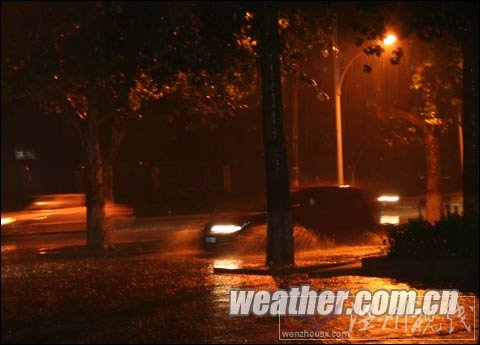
164 290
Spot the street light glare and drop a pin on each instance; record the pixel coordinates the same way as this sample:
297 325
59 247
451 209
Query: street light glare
390 39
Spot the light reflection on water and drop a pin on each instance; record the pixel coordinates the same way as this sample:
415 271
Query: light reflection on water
385 219
383 330
8 247
227 263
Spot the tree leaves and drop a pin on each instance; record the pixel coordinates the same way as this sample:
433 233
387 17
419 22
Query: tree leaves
437 80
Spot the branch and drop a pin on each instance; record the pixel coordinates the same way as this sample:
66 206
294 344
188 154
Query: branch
409 117
69 109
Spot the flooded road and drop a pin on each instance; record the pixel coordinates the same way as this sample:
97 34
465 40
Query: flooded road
161 287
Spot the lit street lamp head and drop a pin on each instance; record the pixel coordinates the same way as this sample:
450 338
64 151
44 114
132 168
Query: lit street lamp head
389 39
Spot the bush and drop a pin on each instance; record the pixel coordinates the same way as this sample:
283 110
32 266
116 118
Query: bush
454 236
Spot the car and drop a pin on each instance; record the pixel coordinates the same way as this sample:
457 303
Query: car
58 213
333 211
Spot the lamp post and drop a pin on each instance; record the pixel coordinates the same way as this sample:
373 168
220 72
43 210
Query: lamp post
339 76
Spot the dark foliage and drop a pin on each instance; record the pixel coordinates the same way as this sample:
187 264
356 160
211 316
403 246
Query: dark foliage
454 236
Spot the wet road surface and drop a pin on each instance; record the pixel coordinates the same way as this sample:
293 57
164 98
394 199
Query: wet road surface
162 289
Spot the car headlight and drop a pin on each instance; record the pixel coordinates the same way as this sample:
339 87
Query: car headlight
225 229
8 220
388 198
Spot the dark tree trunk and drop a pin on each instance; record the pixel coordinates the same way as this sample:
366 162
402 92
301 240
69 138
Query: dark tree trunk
295 158
117 134
470 113
108 180
280 251
433 208
98 236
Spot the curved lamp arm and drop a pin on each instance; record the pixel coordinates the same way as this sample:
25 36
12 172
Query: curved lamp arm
344 72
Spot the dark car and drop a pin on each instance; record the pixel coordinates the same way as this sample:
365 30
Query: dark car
336 212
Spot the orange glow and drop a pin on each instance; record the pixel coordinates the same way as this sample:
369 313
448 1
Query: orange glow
390 39
283 23
8 247
395 220
227 263
8 220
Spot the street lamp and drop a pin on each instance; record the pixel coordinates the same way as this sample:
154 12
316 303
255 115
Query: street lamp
339 76
389 39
